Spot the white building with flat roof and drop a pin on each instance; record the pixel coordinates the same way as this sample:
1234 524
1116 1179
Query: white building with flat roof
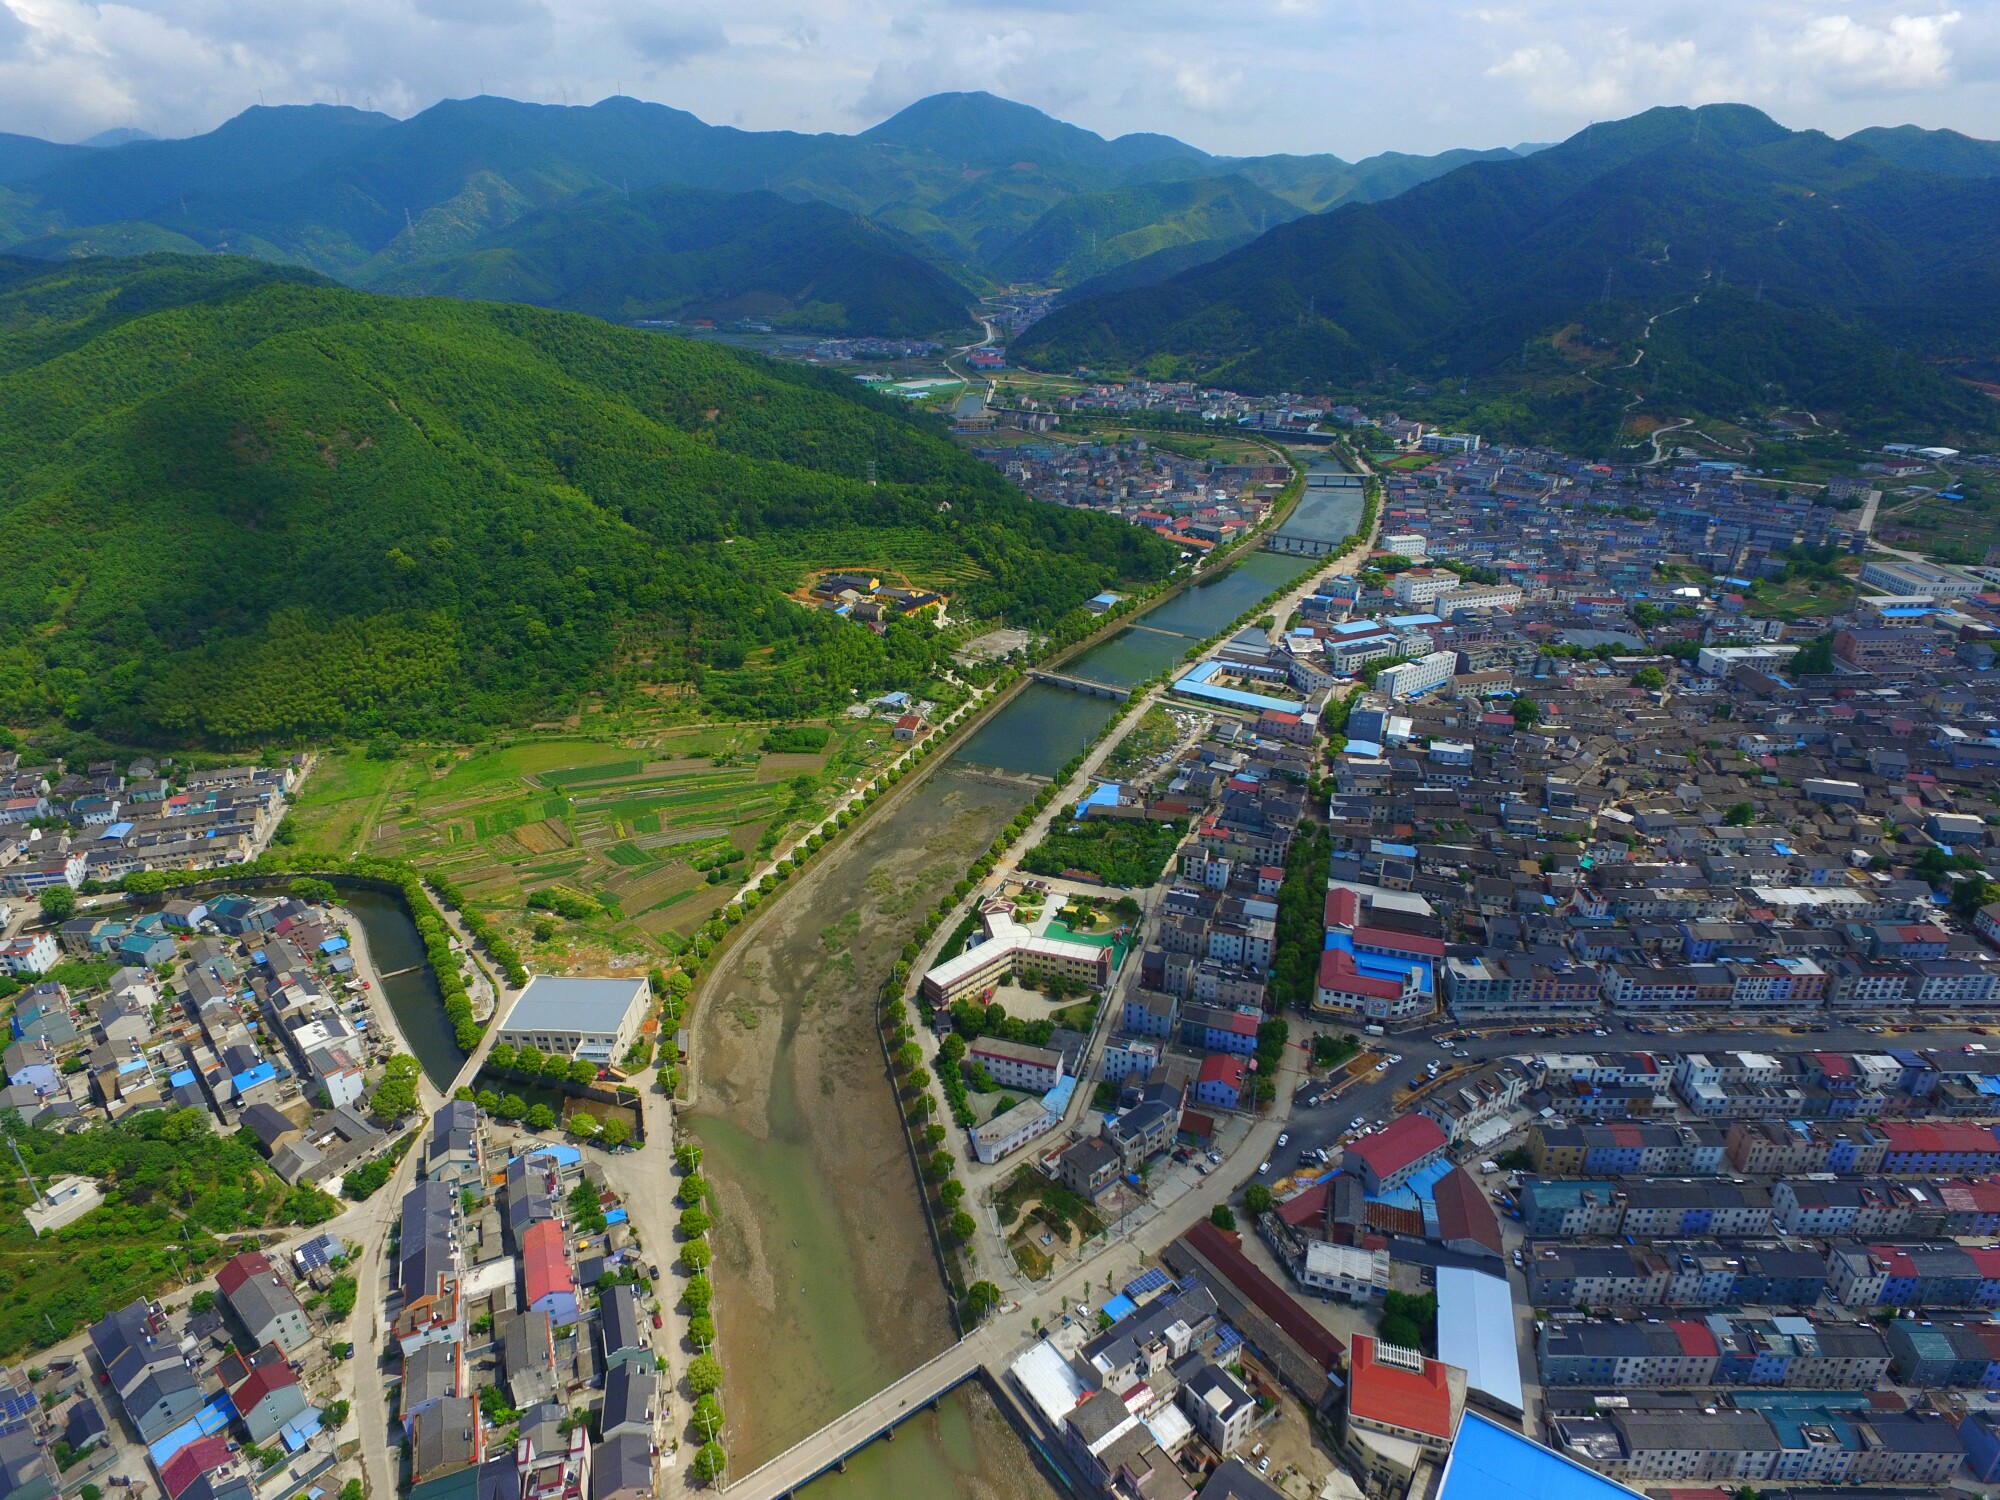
1720 661
1411 544
1010 946
1410 678
593 1020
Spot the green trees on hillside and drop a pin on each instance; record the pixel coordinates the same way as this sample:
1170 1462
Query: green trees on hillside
518 507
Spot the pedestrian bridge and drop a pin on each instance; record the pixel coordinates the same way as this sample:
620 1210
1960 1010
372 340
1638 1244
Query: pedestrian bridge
1081 685
877 1417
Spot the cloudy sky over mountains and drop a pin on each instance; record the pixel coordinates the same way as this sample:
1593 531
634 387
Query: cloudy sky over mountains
1248 76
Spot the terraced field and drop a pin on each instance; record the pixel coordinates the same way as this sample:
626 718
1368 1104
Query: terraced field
589 847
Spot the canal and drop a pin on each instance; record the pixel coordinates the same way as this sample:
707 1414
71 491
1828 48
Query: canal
412 995
827 1287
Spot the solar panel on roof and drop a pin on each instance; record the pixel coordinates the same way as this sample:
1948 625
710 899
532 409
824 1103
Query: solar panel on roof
1146 1281
1226 1339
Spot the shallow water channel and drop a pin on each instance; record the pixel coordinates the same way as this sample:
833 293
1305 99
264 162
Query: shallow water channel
827 1288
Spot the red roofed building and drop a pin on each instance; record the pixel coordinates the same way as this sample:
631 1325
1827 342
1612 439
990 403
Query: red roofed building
1343 908
1223 1081
208 1455
1303 1349
1269 879
270 1398
1343 990
1291 728
1397 944
1401 1407
242 1268
1931 1146
545 1274
1387 1159
1697 1342
1971 1209
1465 1218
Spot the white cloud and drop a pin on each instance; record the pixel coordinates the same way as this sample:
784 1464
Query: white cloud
1615 75
1349 76
1903 53
668 37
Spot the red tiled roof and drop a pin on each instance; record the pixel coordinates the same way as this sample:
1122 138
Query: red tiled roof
1971 1197
1396 1397
1338 973
1406 1139
1308 1207
1695 1339
543 1268
263 1380
1940 1135
1343 907
1464 1212
1398 942
202 1456
245 1267
1224 1252
1224 1067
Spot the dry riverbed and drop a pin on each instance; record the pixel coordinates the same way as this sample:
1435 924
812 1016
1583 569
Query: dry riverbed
826 1285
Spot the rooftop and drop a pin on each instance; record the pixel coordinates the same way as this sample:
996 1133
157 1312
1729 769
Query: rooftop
1489 1462
555 1003
1398 1387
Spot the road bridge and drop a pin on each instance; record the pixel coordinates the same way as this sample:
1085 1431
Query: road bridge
1080 685
877 1417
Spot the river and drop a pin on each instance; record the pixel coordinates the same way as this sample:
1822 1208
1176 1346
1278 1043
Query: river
827 1287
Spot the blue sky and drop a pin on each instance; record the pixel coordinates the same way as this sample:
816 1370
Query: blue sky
1235 76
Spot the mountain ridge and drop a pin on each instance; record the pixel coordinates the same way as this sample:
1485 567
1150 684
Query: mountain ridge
1466 273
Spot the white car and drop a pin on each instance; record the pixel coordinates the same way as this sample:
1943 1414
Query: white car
1263 1167
1284 1136
1383 1066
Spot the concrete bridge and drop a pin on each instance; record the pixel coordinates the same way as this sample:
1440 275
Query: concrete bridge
1081 685
877 1417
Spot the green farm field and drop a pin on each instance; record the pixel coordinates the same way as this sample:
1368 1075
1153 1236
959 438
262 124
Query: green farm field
588 847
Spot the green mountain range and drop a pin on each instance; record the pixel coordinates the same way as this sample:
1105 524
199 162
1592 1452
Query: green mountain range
262 504
361 197
1705 261
1091 233
677 252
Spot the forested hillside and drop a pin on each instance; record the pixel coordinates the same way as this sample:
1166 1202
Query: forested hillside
676 252
252 503
1707 260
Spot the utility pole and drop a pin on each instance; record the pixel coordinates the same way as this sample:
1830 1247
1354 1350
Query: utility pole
15 1146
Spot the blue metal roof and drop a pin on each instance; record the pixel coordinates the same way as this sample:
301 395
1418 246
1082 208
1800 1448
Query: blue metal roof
1195 684
213 1417
1488 1462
